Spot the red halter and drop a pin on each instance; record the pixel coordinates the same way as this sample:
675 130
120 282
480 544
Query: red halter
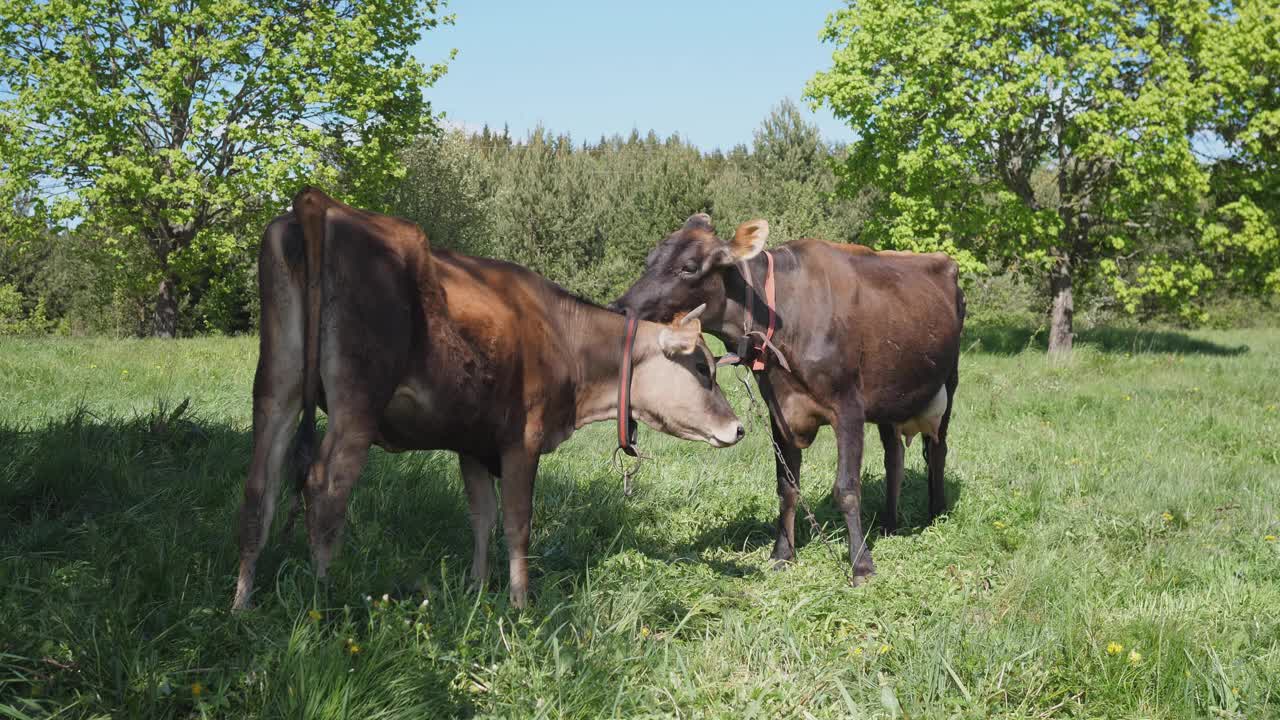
626 426
757 353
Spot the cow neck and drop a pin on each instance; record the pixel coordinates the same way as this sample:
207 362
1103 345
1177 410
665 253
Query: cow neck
598 339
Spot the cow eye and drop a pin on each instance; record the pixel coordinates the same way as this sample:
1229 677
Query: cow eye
690 267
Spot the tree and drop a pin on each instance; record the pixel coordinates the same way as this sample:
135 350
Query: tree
170 125
1242 62
1053 131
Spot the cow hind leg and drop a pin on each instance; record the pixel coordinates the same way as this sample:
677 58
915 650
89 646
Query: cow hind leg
483 502
848 486
893 462
274 416
936 454
330 480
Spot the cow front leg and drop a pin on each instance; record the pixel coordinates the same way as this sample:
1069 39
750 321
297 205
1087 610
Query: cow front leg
518 471
786 458
893 463
483 503
848 486
329 483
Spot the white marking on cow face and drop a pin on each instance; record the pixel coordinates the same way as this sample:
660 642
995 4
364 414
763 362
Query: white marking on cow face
927 422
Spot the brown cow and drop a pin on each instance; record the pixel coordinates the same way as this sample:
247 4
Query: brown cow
410 348
869 337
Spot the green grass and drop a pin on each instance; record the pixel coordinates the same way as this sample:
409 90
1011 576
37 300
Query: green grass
1124 497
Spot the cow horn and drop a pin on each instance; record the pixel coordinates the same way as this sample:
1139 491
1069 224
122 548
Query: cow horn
693 314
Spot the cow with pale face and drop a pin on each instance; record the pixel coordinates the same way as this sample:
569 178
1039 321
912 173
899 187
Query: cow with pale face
411 348
865 336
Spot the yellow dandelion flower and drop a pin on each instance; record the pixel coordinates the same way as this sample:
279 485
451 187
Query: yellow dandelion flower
93 366
124 372
885 648
197 689
1128 397
1269 538
857 651
644 631
1135 658
352 646
1114 648
1166 516
998 525
314 615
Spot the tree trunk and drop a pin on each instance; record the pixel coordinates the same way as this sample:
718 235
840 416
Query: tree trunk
1061 314
166 320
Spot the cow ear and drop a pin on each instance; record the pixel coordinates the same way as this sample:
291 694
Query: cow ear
749 239
701 220
680 338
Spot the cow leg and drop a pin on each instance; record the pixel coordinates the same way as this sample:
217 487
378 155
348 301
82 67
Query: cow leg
848 486
484 515
893 462
342 456
518 471
277 401
788 469
936 454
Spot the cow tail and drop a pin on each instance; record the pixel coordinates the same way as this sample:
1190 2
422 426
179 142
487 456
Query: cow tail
310 213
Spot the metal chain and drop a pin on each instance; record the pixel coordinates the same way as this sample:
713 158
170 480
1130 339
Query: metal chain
815 529
628 473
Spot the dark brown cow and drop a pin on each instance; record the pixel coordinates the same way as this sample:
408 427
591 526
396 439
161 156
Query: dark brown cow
413 349
869 337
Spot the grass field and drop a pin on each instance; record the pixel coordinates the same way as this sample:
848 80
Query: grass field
1109 552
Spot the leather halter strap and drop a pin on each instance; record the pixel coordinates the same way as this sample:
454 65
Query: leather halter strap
757 352
626 426
769 303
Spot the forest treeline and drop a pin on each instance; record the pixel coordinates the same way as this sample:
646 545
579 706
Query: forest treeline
583 213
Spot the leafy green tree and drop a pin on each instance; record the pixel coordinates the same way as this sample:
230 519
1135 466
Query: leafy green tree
959 104
1241 57
170 125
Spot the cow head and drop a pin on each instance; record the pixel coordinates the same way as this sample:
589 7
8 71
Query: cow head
674 387
687 269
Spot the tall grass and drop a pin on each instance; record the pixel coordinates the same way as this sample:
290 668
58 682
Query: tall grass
1109 552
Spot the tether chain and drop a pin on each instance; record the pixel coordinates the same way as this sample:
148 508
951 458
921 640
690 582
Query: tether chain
814 528
628 473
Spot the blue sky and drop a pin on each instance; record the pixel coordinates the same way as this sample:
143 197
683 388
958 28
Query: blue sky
708 70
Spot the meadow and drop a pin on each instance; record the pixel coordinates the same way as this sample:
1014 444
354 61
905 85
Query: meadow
1109 552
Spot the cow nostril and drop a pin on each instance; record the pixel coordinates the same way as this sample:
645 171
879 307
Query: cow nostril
741 431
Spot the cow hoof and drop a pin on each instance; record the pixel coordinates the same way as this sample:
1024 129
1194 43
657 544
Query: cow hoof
860 580
780 564
519 599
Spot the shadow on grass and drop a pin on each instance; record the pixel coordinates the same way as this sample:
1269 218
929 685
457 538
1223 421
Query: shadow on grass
1014 339
127 532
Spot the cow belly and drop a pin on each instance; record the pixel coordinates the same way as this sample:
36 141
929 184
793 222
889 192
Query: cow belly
926 423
